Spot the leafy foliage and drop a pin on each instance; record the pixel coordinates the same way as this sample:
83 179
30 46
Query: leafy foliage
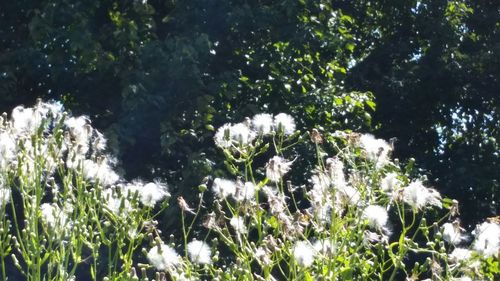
160 75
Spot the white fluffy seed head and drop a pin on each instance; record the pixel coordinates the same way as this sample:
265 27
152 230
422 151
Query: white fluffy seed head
223 188
390 182
222 137
377 216
418 196
377 150
452 233
263 123
241 134
303 253
53 216
153 192
238 224
284 123
199 252
4 196
245 191
276 168
487 239
163 257
460 254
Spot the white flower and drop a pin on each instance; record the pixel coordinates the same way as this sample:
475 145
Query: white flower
324 247
116 204
53 215
377 216
101 172
223 188
303 253
459 254
335 169
238 223
238 134
377 150
80 130
452 233
348 194
262 123
199 252
150 193
242 134
390 182
487 241
53 109
245 191
7 149
284 123
163 257
25 120
222 137
418 196
4 196
262 256
276 168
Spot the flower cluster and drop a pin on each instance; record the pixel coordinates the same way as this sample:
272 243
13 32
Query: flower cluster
353 214
74 202
358 214
244 133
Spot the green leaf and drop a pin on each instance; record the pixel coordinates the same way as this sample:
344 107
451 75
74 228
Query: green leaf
371 104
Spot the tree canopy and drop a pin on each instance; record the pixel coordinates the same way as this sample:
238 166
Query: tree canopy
158 76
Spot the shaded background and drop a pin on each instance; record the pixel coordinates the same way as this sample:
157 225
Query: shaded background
158 76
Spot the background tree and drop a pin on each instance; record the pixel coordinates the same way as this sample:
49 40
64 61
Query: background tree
433 67
160 75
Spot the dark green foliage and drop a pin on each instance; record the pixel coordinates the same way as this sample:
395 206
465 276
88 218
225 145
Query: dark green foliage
434 71
159 76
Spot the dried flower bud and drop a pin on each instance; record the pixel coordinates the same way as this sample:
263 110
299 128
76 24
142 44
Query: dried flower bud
316 136
184 205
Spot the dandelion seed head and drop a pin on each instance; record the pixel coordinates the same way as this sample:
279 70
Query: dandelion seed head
460 254
79 129
245 191
487 239
242 134
284 123
101 172
223 188
452 233
277 167
199 252
377 150
119 205
7 149
238 134
4 195
348 194
153 192
418 196
222 137
324 247
238 223
390 182
262 123
303 253
53 215
163 257
25 120
377 216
